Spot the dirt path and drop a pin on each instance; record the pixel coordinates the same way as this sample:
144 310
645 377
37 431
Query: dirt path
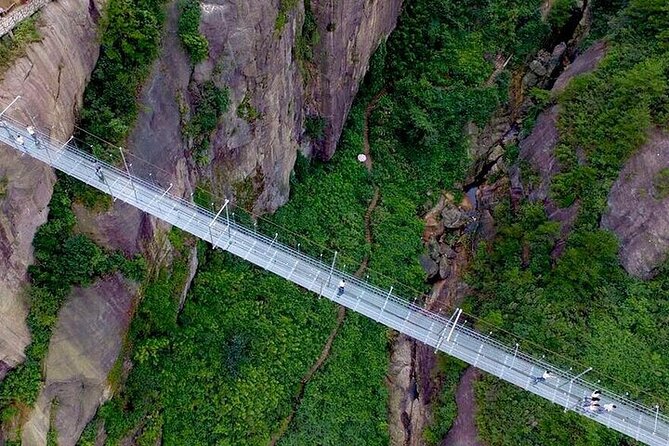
341 312
463 432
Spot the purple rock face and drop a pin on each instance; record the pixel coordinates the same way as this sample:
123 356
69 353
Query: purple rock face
637 211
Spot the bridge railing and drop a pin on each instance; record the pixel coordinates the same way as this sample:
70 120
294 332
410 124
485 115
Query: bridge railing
51 152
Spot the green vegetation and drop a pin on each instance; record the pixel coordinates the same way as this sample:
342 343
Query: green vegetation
88 435
52 434
3 186
449 372
14 47
246 111
62 260
261 333
579 305
307 39
606 116
314 127
285 7
561 12
195 44
661 184
510 416
209 104
130 42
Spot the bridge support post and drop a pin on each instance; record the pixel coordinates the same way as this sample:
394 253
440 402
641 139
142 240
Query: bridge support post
571 382
385 303
450 333
9 106
63 147
455 316
127 170
211 233
334 259
227 217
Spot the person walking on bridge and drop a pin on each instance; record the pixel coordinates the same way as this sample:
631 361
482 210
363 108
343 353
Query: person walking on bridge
340 288
98 172
540 379
593 398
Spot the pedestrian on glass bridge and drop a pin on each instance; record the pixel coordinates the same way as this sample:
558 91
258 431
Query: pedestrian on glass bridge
539 379
594 397
98 172
609 407
31 131
340 288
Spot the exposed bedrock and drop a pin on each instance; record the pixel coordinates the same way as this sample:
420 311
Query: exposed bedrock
83 349
51 79
638 207
272 91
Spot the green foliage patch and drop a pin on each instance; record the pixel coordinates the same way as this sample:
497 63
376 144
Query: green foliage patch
14 47
195 44
209 104
130 42
446 410
285 7
661 184
314 127
224 369
308 38
62 260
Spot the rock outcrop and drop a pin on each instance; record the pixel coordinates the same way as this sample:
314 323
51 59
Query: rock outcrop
350 31
638 208
83 349
271 91
51 79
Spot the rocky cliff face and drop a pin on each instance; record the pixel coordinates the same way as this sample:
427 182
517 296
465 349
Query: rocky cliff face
82 351
271 92
350 31
51 79
638 208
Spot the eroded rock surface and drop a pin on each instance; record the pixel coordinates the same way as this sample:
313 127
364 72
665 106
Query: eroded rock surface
350 31
637 212
51 80
271 91
83 349
584 63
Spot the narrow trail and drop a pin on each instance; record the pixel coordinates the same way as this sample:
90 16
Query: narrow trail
341 312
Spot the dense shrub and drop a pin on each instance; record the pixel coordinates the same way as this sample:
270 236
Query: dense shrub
209 104
130 42
14 47
196 45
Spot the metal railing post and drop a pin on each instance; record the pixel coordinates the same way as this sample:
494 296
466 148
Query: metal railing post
385 303
334 259
211 233
132 184
450 333
10 104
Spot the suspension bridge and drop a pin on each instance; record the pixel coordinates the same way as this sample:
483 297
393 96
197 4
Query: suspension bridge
449 335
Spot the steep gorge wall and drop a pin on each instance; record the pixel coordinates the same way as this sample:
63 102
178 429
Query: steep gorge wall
252 154
51 79
350 32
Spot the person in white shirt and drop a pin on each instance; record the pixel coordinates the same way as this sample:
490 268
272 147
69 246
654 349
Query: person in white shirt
609 407
340 289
